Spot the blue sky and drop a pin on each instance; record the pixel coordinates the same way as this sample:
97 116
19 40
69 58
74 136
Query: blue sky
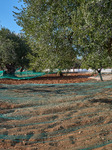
6 15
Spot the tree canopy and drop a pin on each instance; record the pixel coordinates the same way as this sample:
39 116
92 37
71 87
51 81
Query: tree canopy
59 30
47 25
13 51
92 26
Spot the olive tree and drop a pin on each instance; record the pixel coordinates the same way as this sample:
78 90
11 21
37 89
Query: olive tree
13 51
48 27
92 26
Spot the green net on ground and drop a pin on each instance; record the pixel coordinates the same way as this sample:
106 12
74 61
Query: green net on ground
22 75
57 115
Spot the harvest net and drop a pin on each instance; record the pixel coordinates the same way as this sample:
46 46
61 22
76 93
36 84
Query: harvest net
22 75
74 116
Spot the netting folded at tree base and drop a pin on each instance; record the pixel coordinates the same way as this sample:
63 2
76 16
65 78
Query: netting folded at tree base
22 75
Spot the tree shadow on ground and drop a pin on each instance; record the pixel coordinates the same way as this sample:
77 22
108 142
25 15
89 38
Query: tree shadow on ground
61 77
101 100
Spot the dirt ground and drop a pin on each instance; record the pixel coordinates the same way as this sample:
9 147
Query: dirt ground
52 79
75 116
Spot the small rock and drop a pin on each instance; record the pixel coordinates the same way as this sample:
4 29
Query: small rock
80 132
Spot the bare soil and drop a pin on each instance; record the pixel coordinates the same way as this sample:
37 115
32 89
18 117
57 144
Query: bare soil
56 117
52 79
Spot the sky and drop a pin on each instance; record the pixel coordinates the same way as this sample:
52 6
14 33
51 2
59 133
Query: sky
6 15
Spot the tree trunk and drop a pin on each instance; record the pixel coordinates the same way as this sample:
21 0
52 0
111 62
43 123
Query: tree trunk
22 68
10 70
60 73
99 72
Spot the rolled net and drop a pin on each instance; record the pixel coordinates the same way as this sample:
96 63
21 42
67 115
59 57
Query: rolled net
22 75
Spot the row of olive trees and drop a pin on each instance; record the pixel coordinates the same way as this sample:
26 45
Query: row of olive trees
59 31
16 53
